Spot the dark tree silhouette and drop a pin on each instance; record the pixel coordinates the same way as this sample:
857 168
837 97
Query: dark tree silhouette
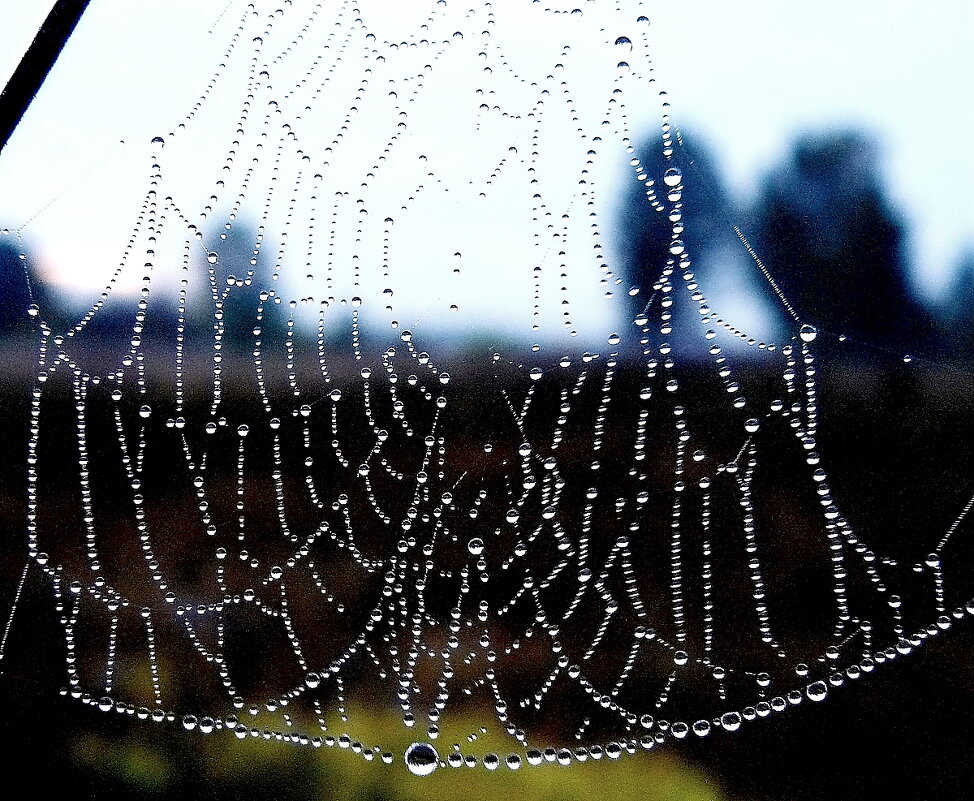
957 310
240 249
646 225
834 243
723 270
14 275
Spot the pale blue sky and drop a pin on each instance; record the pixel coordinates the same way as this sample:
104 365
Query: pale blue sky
746 75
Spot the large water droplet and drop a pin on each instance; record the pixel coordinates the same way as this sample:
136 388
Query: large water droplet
808 333
731 721
673 176
817 691
421 759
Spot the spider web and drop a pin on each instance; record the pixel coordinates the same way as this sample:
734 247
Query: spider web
270 494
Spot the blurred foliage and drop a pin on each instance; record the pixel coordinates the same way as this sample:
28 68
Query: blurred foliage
918 722
229 768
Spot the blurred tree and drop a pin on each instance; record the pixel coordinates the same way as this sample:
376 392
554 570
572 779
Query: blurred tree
242 270
729 281
16 268
957 309
834 243
647 227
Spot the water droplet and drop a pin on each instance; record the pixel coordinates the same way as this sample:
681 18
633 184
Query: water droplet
476 546
817 690
808 333
673 176
731 721
421 759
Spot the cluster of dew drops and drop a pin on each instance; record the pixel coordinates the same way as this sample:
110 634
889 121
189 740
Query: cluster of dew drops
422 758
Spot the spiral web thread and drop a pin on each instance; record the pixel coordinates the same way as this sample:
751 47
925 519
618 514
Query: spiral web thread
278 508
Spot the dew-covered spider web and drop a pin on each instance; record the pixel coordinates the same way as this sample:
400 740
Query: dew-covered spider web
290 469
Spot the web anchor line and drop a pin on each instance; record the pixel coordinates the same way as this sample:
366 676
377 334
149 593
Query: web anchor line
13 610
953 526
767 275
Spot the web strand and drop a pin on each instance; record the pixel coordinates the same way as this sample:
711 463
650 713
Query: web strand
278 481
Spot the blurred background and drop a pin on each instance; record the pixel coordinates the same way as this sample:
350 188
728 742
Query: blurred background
836 137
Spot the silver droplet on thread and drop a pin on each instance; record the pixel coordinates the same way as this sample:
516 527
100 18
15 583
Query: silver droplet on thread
421 759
